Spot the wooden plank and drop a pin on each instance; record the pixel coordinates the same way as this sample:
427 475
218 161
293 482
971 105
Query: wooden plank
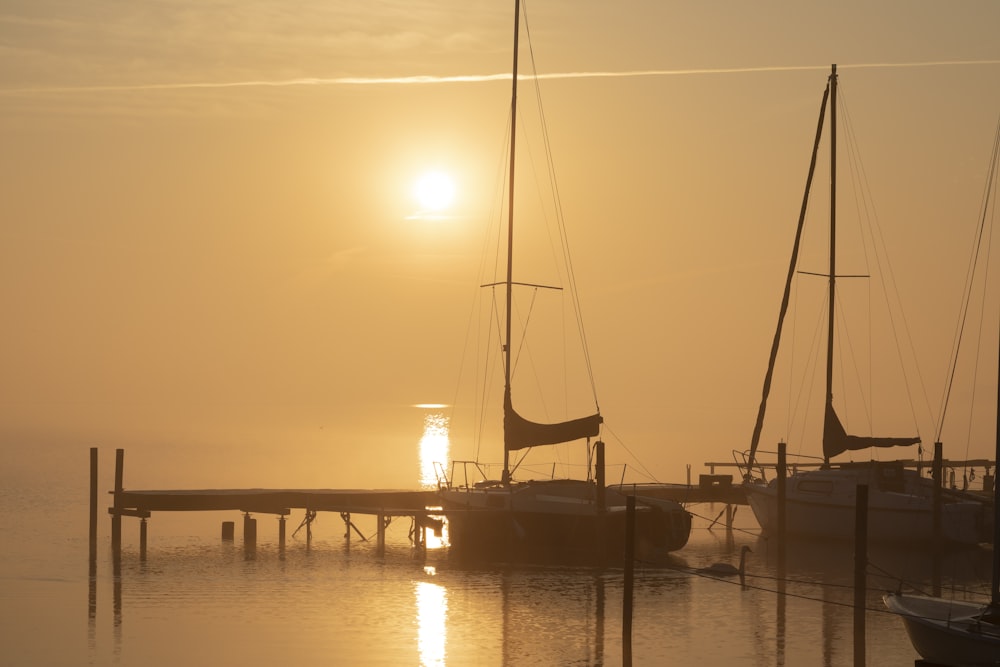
278 501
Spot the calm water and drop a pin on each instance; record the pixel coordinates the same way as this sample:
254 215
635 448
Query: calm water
199 601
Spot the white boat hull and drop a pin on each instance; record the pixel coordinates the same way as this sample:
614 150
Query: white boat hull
947 632
820 504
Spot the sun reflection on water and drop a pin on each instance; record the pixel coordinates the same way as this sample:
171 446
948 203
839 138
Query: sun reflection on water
432 608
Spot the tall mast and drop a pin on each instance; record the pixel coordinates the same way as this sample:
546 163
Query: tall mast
833 241
759 425
510 232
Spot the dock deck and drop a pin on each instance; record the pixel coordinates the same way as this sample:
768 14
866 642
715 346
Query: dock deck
278 501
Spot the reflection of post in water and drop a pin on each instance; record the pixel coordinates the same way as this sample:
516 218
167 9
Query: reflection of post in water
505 621
599 629
860 571
629 578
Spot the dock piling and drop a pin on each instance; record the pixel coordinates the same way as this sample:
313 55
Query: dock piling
142 539
93 504
116 515
782 495
249 533
938 475
281 533
228 531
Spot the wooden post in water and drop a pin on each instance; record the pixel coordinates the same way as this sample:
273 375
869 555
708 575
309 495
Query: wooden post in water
629 581
228 531
142 538
600 476
249 533
116 514
860 572
281 533
380 534
782 495
93 504
780 612
92 561
937 541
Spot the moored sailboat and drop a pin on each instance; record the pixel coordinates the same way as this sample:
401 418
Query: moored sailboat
548 520
960 632
821 503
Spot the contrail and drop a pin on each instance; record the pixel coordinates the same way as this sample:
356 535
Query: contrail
471 78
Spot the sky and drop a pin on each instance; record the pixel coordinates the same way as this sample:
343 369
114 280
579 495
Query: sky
209 239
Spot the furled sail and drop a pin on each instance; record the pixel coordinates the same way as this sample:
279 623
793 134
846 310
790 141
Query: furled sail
836 440
519 432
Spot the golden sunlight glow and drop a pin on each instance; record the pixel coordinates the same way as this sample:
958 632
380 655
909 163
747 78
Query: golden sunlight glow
434 191
434 446
432 609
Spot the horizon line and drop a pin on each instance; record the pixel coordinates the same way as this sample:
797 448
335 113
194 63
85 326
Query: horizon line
470 78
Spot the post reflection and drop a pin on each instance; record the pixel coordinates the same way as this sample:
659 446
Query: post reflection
432 633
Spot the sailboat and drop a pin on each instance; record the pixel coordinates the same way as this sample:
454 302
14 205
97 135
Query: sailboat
563 521
820 503
958 632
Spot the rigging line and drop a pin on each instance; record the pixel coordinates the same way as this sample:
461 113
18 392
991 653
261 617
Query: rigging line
621 442
809 582
900 580
982 308
799 596
844 339
563 235
867 210
969 281
494 214
808 380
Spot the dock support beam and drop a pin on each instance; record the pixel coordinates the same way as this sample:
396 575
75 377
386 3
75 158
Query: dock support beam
281 533
142 539
380 532
228 531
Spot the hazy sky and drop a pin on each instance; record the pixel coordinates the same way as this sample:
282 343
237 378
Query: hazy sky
208 234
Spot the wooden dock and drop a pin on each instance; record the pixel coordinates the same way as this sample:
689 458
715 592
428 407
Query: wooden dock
275 501
385 504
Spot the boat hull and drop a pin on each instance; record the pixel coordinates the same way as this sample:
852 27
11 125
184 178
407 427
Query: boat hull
820 504
947 632
559 522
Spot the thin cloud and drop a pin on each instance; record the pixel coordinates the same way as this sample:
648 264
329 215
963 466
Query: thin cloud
472 78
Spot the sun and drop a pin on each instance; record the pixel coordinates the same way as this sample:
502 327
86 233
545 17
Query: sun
435 191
